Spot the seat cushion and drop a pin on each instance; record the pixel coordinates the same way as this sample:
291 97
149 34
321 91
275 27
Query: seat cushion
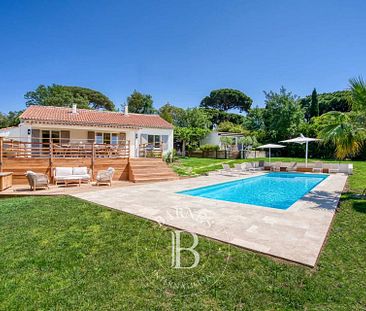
84 176
71 177
63 171
80 170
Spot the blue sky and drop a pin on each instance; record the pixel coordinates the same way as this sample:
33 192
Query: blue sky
178 51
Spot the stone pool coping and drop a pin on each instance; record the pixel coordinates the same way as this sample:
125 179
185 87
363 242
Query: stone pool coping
296 234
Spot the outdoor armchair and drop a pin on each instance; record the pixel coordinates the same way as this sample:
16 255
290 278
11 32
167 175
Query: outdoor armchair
105 177
37 180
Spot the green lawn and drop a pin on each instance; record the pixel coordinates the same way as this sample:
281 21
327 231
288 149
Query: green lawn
61 253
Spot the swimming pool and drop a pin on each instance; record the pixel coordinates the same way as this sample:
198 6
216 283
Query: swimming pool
275 190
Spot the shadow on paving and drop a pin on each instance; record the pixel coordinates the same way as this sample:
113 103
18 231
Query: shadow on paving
323 200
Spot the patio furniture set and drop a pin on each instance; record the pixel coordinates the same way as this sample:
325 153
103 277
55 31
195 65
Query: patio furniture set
69 175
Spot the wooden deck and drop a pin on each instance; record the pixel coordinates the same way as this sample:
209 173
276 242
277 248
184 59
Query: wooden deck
19 157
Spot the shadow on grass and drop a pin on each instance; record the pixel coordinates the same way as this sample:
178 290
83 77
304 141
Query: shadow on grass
358 201
359 206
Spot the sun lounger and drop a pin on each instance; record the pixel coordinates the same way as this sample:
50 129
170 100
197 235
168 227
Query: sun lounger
318 167
227 170
292 167
241 168
253 167
334 168
276 167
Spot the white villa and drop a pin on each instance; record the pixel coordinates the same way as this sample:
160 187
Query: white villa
73 126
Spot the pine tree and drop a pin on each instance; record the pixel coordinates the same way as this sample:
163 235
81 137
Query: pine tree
314 105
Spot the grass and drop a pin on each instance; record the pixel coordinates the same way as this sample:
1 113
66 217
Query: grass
61 253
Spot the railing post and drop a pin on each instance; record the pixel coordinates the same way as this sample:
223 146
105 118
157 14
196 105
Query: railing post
93 158
50 158
1 153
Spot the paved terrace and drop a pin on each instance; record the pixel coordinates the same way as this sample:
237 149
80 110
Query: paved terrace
296 234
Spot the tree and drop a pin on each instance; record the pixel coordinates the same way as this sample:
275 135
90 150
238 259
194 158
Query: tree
196 118
10 119
140 103
226 99
254 120
358 94
217 116
189 136
347 130
171 113
314 105
96 100
65 96
227 126
336 101
283 115
248 143
226 141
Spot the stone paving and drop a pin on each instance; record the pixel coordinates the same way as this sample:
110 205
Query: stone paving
296 234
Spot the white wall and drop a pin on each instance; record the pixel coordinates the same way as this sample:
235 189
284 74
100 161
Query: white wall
212 138
157 131
19 132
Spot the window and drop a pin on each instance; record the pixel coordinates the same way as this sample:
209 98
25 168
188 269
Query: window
49 135
153 140
55 136
99 138
114 139
106 138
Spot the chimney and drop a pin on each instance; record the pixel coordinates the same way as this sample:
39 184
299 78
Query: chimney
126 109
74 109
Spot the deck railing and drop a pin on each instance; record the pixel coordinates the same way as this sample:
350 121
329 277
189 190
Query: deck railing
20 148
150 151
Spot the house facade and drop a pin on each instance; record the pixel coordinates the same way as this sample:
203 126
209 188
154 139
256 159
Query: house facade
76 127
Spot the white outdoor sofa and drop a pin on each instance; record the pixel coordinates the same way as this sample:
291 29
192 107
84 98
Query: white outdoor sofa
68 175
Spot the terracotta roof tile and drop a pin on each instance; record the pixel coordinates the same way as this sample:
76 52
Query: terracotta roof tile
92 117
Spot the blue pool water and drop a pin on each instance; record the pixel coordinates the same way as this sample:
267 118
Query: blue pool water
275 190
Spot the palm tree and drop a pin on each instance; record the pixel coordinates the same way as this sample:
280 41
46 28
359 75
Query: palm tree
347 130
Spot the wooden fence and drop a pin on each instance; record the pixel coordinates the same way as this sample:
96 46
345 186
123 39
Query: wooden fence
227 154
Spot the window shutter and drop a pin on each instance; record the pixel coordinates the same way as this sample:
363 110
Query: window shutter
36 139
122 136
36 135
65 137
143 139
91 137
165 139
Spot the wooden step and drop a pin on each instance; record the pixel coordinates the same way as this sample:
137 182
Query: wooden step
144 174
154 179
150 170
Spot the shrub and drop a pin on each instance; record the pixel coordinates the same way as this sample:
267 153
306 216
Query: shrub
209 147
170 157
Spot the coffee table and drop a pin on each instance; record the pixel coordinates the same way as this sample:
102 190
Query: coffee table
72 180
